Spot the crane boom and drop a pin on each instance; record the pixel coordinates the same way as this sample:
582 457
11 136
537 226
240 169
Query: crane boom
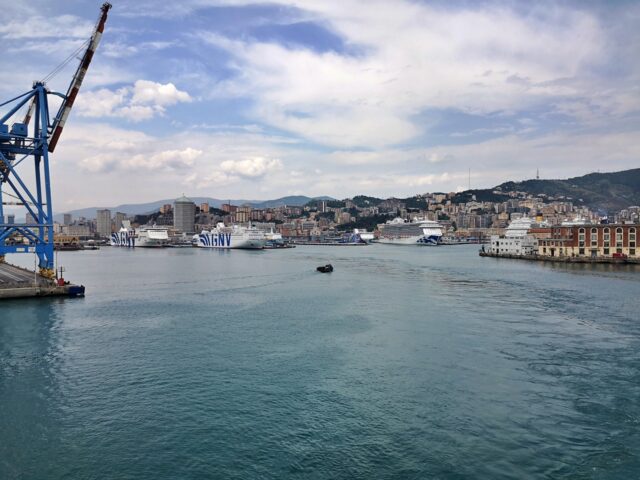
78 77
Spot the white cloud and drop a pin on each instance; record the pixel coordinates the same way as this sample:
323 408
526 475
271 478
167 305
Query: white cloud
251 167
62 26
124 50
128 165
412 57
142 101
146 92
162 161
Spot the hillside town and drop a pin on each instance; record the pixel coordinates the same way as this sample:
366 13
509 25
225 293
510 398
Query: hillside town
462 216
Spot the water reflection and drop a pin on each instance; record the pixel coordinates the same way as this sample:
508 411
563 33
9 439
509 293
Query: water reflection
29 389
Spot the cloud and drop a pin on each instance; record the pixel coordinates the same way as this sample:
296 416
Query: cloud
253 168
142 101
162 161
439 157
122 163
146 92
412 57
124 50
62 26
165 160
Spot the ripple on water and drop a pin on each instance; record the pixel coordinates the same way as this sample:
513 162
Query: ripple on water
402 363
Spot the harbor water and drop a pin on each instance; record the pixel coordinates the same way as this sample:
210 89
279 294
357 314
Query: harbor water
404 362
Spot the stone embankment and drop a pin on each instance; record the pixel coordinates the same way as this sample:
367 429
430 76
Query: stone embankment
541 258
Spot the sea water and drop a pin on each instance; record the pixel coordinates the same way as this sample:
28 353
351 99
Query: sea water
405 362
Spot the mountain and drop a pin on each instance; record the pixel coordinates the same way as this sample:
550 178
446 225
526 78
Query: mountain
146 208
601 191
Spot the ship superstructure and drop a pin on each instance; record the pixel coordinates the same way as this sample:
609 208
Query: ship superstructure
417 232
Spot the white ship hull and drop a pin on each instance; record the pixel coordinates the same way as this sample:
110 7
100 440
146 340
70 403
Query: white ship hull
418 232
420 240
151 237
123 238
231 240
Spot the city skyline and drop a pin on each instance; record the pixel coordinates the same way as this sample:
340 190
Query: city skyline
261 100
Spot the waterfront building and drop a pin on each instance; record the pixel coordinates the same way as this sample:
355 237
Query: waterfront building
608 241
184 215
103 222
78 230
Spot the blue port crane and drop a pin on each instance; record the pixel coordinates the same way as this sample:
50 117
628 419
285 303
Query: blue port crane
31 187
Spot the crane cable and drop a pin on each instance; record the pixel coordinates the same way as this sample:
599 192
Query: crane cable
66 61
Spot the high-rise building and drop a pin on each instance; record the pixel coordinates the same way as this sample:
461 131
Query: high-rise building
227 207
103 222
11 219
67 219
204 207
118 219
184 215
243 214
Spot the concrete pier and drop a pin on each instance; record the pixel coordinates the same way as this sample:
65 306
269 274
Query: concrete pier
16 282
542 258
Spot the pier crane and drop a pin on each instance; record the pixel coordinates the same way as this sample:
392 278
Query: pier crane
22 186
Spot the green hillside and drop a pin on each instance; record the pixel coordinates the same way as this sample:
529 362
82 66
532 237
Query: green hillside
603 191
608 191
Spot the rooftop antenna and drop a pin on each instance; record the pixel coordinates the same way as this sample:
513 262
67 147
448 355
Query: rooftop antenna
469 179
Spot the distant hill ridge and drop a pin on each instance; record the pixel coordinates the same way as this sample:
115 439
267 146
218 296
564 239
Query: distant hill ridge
146 208
603 191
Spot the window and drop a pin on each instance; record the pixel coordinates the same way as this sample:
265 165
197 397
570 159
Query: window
581 251
594 237
607 239
619 238
632 238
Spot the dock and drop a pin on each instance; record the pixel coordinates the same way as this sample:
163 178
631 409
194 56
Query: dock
582 260
17 282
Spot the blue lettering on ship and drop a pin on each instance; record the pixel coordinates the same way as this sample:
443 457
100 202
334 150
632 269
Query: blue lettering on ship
213 240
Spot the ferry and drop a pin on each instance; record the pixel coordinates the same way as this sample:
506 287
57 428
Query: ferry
154 236
364 235
417 232
145 237
223 237
125 237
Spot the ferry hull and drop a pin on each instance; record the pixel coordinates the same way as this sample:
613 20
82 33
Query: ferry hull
229 241
419 240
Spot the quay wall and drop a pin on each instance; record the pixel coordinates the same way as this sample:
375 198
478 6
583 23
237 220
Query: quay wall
542 258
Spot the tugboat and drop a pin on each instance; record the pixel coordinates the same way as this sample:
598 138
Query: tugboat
328 268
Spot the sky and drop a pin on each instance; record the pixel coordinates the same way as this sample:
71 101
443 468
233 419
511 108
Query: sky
258 100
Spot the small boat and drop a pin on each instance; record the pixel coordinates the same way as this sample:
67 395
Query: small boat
325 268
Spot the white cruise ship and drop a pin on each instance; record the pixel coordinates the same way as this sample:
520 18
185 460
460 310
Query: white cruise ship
147 237
417 232
231 237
